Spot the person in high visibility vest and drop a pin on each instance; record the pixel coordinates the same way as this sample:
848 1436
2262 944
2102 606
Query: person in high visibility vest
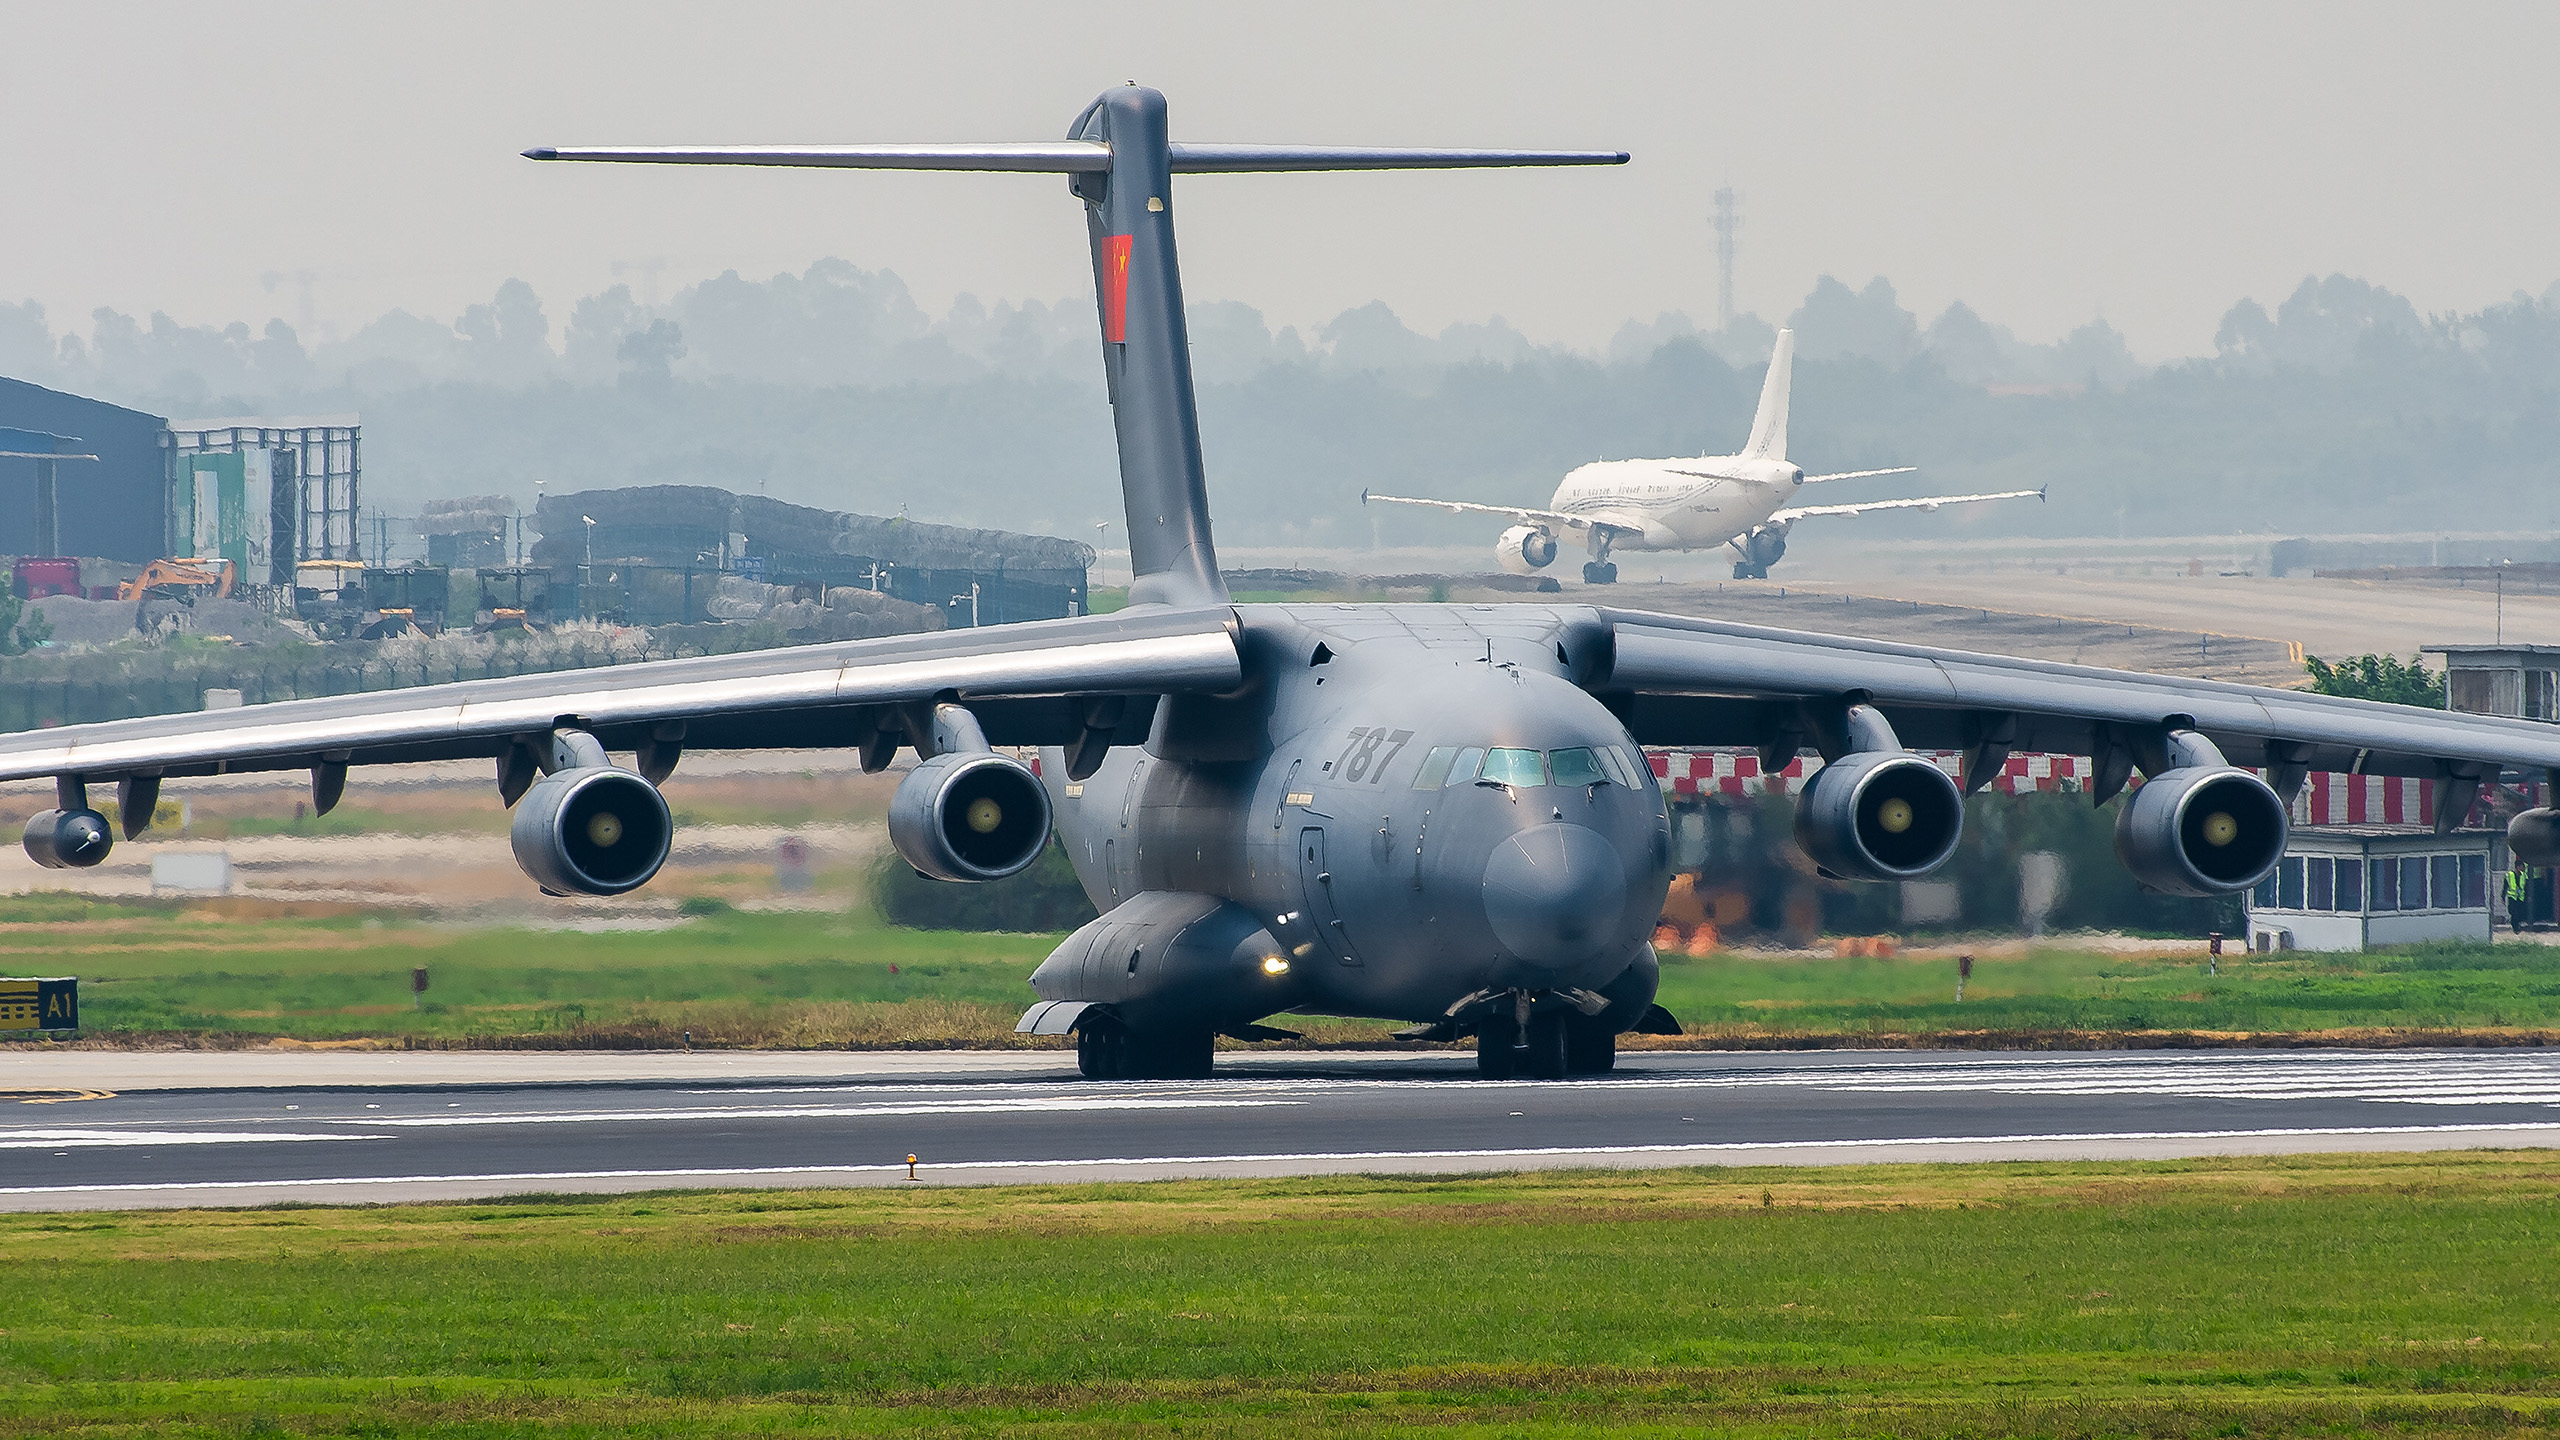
2516 880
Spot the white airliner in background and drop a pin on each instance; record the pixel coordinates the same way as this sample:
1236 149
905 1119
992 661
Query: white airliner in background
1689 504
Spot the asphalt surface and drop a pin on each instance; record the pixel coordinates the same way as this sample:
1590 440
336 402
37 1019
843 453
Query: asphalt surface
1014 1119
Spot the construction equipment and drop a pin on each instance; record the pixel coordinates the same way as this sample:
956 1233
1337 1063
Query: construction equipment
187 580
35 577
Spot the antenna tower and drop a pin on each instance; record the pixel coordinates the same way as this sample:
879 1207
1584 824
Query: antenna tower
1727 220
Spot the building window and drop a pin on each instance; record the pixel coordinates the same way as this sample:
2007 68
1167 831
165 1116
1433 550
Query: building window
2475 882
2488 692
2351 886
2289 883
2386 884
2542 694
2264 897
2413 882
2319 891
2445 877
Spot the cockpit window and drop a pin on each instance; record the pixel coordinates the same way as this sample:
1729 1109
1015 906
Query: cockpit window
1616 765
1463 769
1641 767
1515 767
1435 767
1577 766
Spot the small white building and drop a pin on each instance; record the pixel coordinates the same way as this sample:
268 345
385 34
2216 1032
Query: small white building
2352 887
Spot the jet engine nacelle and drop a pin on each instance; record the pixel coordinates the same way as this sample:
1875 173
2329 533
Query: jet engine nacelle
2534 837
68 839
970 815
1525 548
1880 815
2202 830
1766 546
592 830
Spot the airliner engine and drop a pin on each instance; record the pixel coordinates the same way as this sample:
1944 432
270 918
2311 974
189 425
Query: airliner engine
1880 815
970 816
1525 548
2201 826
590 827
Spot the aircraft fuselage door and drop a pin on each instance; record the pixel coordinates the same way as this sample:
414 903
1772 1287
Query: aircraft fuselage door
1316 880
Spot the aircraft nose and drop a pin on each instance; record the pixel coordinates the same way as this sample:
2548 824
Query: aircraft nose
1555 893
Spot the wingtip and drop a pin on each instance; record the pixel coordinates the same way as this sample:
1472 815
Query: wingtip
542 152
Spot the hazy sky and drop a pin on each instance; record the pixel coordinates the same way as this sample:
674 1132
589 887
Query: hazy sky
2044 163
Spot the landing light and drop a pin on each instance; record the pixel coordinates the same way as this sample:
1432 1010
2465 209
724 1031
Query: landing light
1275 965
2220 829
985 815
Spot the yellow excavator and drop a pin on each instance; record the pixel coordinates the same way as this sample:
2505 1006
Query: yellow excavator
197 579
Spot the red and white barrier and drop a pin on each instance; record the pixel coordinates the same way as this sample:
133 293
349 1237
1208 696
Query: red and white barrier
1738 772
2326 799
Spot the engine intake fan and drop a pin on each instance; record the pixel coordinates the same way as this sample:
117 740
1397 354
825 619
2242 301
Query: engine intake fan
1525 549
2202 828
1880 815
592 830
971 816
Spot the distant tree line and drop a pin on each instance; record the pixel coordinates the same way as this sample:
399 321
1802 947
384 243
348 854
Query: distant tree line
2341 408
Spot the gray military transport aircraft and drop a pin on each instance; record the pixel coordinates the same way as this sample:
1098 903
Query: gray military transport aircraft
1432 813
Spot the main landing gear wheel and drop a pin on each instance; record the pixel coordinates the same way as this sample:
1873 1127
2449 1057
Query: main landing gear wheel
1600 572
1110 1053
1589 1049
1544 1056
1099 1052
1745 570
1496 1057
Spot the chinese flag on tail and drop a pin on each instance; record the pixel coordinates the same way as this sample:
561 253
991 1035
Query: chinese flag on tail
1115 289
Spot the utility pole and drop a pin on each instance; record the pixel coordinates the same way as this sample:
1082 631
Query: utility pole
1728 219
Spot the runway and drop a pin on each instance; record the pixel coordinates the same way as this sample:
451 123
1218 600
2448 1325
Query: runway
979 1120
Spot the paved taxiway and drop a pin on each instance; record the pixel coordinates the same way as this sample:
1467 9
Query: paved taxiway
1275 1114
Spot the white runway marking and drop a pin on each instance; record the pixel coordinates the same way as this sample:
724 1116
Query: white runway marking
89 1139
2542 1133
1031 1105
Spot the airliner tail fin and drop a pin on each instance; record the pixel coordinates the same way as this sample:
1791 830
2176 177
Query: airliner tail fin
1769 427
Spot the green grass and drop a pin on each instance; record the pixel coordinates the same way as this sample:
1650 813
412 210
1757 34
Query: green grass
2052 990
802 978
731 977
2340 1295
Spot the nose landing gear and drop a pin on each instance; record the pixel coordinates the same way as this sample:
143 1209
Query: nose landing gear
1543 1035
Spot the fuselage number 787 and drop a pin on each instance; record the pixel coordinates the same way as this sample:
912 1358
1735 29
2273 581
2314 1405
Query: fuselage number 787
1360 759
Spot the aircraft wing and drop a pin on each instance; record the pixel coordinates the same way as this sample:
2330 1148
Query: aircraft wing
1522 513
1031 683
1707 682
1915 502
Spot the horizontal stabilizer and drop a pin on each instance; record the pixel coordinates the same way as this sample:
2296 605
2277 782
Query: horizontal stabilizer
1077 156
1050 156
1861 474
1235 159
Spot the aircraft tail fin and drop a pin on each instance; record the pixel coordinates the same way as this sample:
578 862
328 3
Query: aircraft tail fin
1120 162
1769 427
